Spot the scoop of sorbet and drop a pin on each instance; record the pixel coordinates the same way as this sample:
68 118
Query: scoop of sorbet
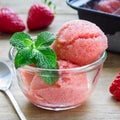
80 42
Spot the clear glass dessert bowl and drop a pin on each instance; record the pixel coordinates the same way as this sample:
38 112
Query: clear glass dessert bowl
73 88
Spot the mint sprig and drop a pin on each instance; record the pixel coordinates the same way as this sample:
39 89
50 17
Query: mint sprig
36 52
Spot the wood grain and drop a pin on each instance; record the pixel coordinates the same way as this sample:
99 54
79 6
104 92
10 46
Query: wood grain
100 106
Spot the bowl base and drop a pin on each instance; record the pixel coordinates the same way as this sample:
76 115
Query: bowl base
59 108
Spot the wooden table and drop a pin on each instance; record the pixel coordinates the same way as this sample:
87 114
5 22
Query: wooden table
100 106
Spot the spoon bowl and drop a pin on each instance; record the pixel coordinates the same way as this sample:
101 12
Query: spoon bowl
5 76
5 83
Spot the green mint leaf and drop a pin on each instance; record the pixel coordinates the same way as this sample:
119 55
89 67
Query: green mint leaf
37 52
45 58
23 57
45 39
50 77
20 40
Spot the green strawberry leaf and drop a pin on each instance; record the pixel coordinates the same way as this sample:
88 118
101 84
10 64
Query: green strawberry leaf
50 77
51 5
23 57
20 40
45 39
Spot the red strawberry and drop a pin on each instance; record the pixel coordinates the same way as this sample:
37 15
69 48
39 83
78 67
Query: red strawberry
39 16
10 22
115 87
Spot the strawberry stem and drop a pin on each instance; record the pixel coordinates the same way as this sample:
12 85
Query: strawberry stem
50 4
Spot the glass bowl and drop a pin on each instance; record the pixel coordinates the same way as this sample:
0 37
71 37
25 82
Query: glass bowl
73 88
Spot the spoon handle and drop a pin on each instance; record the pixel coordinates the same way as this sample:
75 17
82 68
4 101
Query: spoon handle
15 105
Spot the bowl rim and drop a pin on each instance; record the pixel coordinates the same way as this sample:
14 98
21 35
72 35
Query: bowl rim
80 68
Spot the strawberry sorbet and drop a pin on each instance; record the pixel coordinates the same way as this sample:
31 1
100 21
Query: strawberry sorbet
71 88
80 42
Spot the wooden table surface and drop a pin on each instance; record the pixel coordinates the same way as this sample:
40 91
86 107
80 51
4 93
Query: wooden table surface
100 106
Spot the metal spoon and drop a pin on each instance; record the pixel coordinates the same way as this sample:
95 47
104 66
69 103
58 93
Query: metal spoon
5 82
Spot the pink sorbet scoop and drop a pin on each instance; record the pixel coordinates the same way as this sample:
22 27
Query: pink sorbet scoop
71 88
80 42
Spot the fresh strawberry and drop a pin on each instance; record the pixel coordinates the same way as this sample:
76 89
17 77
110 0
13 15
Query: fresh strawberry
39 16
10 22
115 87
